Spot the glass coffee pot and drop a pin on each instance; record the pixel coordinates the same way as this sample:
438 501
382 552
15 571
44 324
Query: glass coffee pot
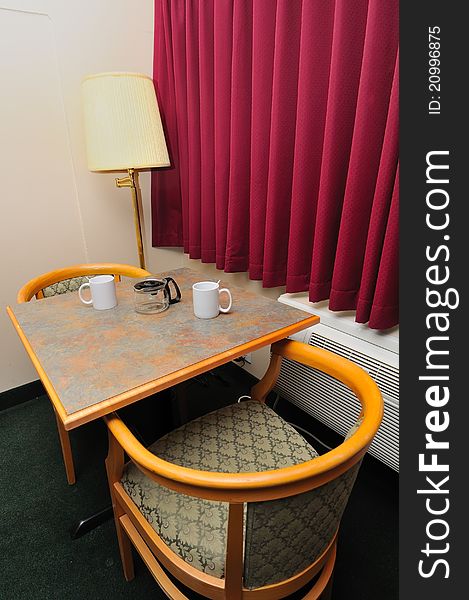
153 295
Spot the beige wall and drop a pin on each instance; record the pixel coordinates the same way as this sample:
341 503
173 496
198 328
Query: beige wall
54 212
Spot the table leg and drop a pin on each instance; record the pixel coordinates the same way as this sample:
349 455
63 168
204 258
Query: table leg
179 404
89 523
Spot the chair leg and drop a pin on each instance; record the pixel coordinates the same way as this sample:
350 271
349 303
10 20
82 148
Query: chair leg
114 465
125 545
66 450
322 589
327 593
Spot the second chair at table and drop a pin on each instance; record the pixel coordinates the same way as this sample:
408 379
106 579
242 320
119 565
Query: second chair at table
236 504
61 281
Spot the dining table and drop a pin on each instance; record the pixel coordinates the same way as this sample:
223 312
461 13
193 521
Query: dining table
93 362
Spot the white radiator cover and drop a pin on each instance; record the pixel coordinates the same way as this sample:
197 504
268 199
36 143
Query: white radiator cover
330 401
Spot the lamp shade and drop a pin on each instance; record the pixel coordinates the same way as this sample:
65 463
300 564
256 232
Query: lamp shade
122 123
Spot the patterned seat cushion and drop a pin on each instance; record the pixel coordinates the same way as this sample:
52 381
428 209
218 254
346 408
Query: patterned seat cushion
62 287
243 437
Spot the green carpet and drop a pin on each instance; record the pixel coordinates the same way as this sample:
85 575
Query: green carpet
39 560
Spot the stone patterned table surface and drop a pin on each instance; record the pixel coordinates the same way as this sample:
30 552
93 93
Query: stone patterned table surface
90 356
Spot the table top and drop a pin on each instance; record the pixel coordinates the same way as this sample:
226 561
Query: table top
92 362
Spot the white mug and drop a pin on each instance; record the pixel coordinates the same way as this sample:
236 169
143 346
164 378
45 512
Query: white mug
206 298
103 292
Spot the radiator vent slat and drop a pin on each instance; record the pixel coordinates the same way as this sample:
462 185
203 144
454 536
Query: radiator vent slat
385 375
332 403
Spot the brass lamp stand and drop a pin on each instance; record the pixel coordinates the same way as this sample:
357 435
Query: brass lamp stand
131 181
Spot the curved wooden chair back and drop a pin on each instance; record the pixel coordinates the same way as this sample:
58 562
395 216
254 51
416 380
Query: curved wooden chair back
259 489
35 287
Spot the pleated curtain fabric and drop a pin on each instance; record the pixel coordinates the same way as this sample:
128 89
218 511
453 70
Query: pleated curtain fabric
281 119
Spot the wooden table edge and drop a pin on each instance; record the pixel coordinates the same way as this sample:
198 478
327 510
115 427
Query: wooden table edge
104 407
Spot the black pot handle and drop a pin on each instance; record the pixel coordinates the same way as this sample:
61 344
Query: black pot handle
176 289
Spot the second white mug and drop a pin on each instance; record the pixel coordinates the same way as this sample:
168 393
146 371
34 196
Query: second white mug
103 292
206 298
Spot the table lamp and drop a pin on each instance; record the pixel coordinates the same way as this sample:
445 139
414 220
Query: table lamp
124 131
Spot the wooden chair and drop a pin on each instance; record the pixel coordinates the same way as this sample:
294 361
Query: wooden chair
62 281
236 504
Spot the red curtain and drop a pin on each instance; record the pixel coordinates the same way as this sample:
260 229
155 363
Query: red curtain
281 118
